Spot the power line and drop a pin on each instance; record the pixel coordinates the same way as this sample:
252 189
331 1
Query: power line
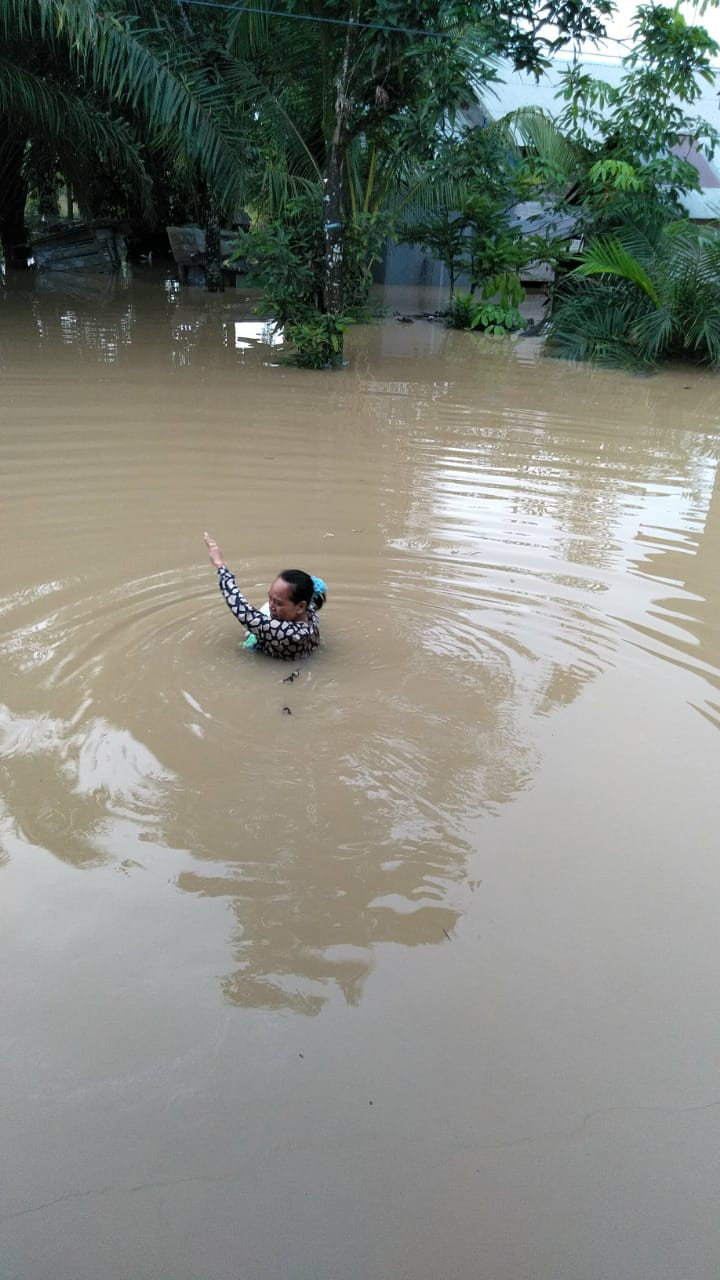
590 56
308 17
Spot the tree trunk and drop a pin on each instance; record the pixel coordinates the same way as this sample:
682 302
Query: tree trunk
214 280
13 195
333 230
48 204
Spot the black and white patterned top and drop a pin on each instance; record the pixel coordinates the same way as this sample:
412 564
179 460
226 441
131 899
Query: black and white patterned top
275 637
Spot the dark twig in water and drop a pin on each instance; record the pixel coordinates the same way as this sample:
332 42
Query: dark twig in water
287 711
289 679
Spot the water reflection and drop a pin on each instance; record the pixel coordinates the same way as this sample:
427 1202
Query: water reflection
478 515
683 625
82 774
95 315
360 839
249 332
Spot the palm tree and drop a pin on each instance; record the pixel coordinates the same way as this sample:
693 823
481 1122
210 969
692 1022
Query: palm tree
368 94
644 295
94 85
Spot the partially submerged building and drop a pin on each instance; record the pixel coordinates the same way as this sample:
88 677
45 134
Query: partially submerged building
520 89
407 265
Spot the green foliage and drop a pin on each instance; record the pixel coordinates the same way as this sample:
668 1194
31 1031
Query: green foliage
613 258
470 232
622 136
506 285
616 173
478 241
444 235
647 285
462 310
55 118
484 176
246 108
285 257
318 340
641 298
125 104
372 101
365 236
497 318
495 248
598 322
496 312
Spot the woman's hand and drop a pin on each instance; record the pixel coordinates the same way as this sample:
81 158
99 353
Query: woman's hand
214 552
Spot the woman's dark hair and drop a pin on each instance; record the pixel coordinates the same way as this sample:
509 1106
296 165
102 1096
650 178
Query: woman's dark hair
302 587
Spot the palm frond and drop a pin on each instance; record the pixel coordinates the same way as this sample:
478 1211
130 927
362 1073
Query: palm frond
640 242
189 111
703 336
76 125
21 18
600 321
544 141
654 331
247 94
421 198
611 258
248 30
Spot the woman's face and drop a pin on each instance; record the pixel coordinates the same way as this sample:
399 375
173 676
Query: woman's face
281 606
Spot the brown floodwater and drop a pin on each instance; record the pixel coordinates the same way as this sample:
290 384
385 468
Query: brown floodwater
419 982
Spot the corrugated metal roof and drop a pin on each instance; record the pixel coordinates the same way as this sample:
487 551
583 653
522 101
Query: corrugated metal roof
537 219
689 150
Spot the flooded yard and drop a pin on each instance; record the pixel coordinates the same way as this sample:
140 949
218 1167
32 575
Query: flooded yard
419 982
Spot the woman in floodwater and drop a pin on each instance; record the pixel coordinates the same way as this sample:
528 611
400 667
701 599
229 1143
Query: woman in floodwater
290 627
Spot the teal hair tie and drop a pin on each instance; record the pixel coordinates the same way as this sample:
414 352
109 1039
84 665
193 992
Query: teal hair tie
319 587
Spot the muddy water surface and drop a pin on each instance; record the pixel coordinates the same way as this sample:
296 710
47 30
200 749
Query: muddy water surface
420 980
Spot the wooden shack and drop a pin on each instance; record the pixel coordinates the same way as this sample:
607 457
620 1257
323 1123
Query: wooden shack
188 249
79 246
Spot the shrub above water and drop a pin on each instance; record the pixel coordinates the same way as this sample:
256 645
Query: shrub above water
642 296
496 312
